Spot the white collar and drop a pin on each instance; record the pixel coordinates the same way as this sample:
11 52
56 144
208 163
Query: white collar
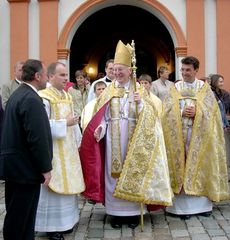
31 87
126 85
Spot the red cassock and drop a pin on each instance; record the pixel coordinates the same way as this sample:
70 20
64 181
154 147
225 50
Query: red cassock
92 155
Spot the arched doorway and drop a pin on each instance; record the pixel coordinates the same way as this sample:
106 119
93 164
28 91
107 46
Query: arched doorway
95 40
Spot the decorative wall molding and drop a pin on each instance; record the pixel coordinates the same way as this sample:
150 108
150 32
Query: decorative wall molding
63 53
181 51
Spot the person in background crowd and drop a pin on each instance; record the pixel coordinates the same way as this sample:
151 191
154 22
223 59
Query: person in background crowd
195 145
58 204
162 85
217 85
225 95
100 75
8 89
88 110
79 92
87 82
1 119
134 149
146 81
108 78
26 152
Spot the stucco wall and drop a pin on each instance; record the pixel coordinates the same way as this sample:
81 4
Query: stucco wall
4 41
176 7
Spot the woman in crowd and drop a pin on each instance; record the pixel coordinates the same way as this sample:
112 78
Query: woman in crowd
217 84
79 92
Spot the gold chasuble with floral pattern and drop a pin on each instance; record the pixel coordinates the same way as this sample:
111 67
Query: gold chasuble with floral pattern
143 176
203 170
67 177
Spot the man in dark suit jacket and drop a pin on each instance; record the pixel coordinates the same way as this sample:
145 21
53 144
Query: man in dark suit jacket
26 153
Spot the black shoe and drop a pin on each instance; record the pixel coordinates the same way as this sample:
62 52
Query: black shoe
116 222
133 222
90 201
185 217
55 236
67 231
172 215
205 214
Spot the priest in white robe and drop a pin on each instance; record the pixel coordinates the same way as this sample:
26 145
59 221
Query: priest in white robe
195 145
58 204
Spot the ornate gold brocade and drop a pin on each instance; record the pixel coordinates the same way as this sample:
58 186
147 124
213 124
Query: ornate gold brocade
204 171
116 114
67 177
144 176
116 165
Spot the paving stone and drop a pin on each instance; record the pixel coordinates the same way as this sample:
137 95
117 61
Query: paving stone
107 226
161 231
200 237
83 220
194 222
99 217
126 238
82 228
139 234
95 233
112 234
196 230
87 208
210 224
94 238
215 232
111 238
94 224
223 222
86 214
226 229
79 236
162 237
179 233
177 225
220 238
182 238
126 232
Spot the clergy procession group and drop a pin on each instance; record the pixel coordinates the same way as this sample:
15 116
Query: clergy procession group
134 146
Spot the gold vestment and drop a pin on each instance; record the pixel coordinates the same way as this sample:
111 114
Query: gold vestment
203 170
67 177
144 175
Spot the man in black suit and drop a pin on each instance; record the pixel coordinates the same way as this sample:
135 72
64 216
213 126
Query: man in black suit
26 153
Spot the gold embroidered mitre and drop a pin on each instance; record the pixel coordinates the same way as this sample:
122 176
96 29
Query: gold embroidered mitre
123 54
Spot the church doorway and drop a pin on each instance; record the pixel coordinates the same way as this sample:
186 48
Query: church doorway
95 41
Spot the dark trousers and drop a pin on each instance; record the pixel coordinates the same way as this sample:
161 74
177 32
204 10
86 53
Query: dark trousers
21 205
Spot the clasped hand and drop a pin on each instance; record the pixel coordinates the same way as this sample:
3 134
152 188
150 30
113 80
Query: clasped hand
97 133
137 97
72 120
189 111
